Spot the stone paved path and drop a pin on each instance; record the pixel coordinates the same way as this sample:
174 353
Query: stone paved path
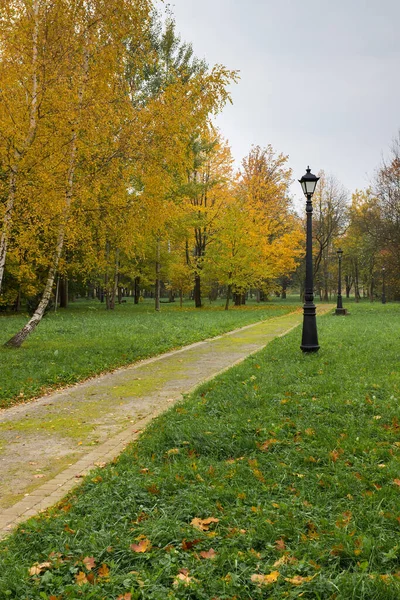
46 446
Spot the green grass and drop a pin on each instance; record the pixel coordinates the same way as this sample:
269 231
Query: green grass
85 340
297 456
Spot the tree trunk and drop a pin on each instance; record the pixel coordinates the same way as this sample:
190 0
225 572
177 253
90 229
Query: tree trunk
136 290
63 295
348 286
114 288
20 337
197 291
17 303
356 285
180 298
158 281
20 153
258 296
228 296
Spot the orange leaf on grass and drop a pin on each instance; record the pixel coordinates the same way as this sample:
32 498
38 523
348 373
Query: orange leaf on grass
265 445
280 545
81 578
127 596
208 554
188 544
396 482
203 524
89 562
104 571
183 578
143 546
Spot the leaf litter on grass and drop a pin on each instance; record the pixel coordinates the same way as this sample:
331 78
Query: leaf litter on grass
311 527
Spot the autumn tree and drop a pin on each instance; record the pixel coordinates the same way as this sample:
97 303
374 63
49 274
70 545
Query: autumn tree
206 193
264 188
84 111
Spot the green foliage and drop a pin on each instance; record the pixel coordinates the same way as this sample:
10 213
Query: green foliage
296 459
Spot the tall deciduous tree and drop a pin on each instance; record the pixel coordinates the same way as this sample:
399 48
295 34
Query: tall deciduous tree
93 97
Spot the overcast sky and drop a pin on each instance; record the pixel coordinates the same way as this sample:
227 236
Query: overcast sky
319 78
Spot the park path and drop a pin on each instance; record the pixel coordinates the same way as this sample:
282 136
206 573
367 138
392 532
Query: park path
47 445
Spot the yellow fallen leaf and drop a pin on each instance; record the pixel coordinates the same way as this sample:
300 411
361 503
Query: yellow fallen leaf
265 579
104 571
203 524
298 579
37 568
81 578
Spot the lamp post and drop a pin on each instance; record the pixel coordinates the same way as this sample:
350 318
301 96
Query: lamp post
309 342
383 286
339 307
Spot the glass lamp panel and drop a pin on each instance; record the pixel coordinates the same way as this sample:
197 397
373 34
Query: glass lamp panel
303 185
310 186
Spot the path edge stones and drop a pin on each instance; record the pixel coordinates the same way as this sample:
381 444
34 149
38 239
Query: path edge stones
57 488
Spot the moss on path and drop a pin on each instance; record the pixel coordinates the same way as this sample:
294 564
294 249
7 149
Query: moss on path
43 438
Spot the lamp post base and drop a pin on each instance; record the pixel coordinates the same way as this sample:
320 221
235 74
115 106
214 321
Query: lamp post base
309 341
341 311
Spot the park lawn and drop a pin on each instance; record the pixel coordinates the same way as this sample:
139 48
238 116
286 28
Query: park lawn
278 479
85 340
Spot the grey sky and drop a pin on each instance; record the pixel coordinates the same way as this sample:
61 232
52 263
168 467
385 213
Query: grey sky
319 78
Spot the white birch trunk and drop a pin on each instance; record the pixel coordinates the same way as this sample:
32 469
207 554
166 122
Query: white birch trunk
20 337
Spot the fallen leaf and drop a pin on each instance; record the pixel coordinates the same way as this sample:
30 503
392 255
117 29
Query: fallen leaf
298 580
104 571
68 529
39 476
143 546
285 559
183 577
203 524
37 568
81 579
127 596
90 578
280 545
265 579
345 520
265 445
396 482
89 562
209 554
188 544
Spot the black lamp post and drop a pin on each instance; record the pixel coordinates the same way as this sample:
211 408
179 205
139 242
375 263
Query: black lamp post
309 342
383 286
339 307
